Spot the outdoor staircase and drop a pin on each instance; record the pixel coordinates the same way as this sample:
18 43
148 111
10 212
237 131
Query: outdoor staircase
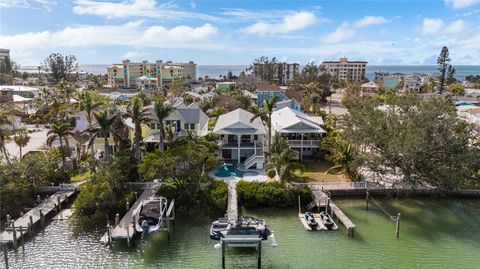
311 205
254 160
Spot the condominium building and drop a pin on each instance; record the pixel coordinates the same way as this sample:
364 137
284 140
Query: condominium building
282 72
130 74
351 71
4 60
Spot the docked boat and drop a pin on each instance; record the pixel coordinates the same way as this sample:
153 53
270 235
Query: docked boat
326 220
149 214
311 221
219 228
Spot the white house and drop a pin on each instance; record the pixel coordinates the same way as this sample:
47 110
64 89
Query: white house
302 131
370 87
241 139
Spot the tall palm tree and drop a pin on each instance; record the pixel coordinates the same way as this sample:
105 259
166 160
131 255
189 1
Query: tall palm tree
162 110
342 156
105 123
87 104
265 113
60 132
21 139
139 115
284 160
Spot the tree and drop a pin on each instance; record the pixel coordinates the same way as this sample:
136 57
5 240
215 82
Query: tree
178 88
443 64
60 132
353 93
21 139
283 159
139 116
265 69
265 114
457 89
105 123
162 111
60 67
423 140
451 75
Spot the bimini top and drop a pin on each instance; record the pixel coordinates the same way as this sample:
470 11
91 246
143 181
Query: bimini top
239 122
287 120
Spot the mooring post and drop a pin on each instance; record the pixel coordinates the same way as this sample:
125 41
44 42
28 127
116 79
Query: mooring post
128 236
5 255
173 212
127 206
168 230
14 232
223 252
31 224
117 219
398 225
23 240
259 258
136 196
42 218
299 206
327 205
366 200
59 204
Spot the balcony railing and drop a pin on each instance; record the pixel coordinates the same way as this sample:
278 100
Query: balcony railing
304 143
234 144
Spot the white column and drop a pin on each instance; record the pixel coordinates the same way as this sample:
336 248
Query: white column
301 147
239 138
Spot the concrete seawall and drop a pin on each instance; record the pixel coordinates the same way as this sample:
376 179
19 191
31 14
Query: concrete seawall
407 193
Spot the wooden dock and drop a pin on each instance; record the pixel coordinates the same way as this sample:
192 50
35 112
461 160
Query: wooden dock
232 207
36 215
337 212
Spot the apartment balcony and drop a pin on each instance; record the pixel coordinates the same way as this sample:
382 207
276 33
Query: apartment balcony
234 144
304 143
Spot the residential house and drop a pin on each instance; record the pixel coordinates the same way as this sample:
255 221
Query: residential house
302 131
268 91
290 103
370 87
412 83
241 139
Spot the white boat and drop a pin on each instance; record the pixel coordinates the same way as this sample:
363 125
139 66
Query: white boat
149 214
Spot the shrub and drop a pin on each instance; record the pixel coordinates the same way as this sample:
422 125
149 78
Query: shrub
269 194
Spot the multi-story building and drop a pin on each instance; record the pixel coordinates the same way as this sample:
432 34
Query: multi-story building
303 132
128 74
351 71
282 72
4 60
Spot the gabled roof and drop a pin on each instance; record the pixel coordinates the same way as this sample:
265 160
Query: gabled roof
238 122
287 120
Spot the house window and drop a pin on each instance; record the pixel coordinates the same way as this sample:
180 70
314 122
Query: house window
255 137
192 126
185 126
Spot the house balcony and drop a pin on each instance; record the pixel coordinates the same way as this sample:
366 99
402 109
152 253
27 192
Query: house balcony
234 144
304 143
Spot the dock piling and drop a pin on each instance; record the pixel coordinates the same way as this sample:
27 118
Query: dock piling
397 228
299 206
117 219
14 232
366 200
259 254
127 206
42 218
31 224
23 240
59 204
128 236
5 255
223 253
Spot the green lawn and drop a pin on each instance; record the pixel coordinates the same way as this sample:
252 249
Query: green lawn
315 171
81 177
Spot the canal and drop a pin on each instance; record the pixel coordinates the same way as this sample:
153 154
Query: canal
434 234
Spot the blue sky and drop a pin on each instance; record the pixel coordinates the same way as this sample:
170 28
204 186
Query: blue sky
236 32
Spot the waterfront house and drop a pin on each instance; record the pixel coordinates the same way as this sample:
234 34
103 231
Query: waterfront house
370 87
241 139
302 131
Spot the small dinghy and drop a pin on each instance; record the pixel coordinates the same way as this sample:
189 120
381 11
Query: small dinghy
326 220
311 220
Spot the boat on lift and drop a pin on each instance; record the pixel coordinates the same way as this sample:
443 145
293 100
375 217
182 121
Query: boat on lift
326 220
150 214
311 221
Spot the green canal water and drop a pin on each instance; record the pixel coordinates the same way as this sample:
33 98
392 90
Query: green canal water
434 234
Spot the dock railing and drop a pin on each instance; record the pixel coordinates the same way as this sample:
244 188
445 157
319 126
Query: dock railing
341 185
142 185
60 187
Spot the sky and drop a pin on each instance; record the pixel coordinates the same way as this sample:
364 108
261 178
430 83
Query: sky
231 32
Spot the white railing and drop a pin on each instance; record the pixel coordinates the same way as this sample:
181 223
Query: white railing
142 185
341 185
60 187
311 143
252 160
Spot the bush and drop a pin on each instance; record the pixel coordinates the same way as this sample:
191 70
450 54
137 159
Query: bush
271 173
270 194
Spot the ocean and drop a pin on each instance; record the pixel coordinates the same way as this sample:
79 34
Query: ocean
214 71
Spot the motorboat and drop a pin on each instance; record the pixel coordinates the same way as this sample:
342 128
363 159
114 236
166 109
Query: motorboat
327 220
149 214
219 228
311 221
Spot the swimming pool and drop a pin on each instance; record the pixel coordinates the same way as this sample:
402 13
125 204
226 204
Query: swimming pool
229 170
466 103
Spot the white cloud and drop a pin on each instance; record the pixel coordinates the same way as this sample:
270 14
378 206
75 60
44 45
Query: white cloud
33 4
431 26
370 20
343 32
290 23
436 26
129 34
458 4
136 8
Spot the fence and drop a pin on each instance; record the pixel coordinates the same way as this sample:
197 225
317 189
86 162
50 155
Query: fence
60 187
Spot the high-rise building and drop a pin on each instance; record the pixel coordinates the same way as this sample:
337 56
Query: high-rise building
282 72
351 71
4 60
129 74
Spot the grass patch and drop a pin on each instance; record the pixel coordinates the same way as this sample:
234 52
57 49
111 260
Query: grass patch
316 171
81 177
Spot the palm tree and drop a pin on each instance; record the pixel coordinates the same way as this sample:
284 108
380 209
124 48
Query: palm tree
4 135
105 127
139 115
342 156
162 110
60 132
87 104
284 160
265 113
21 139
